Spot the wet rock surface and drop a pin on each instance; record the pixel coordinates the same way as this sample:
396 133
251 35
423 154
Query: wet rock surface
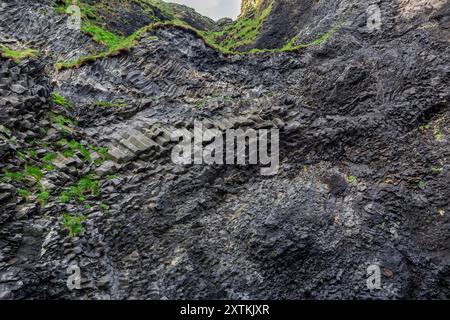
363 177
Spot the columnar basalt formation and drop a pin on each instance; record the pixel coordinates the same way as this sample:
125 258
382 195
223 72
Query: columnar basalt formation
87 177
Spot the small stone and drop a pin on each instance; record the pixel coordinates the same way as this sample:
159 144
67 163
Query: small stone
17 88
388 272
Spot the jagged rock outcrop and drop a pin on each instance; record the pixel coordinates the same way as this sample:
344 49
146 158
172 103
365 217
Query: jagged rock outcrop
364 160
251 8
307 20
125 17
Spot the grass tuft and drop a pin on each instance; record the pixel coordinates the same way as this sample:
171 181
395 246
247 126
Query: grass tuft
78 192
17 55
73 224
60 100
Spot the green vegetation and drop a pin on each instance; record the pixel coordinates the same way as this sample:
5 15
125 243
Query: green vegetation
75 145
438 134
422 185
200 104
34 172
24 193
291 47
21 155
114 44
47 161
43 197
71 147
30 171
423 128
62 123
437 169
85 186
49 157
125 45
73 224
60 100
102 36
17 55
104 207
32 153
29 180
351 179
241 33
106 104
103 154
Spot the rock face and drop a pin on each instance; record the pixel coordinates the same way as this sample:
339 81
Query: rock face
125 17
364 160
191 17
253 7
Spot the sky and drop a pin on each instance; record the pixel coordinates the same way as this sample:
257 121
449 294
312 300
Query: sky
214 9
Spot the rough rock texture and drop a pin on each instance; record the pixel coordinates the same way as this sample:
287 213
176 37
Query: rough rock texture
363 179
125 17
251 7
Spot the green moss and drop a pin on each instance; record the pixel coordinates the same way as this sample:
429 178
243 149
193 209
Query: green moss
62 123
71 147
423 128
77 63
242 32
73 224
60 100
437 169
12 176
209 38
75 145
32 153
24 193
85 186
292 47
351 179
61 143
49 157
438 134
34 172
100 35
86 10
422 185
21 155
114 45
104 207
103 154
17 55
43 197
